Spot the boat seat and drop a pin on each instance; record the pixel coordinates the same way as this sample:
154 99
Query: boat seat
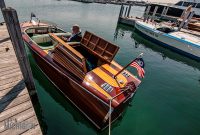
45 42
44 38
165 29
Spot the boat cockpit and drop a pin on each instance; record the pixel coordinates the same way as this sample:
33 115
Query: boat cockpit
43 30
165 29
83 56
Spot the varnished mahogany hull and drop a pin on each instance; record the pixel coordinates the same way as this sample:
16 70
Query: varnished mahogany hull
87 103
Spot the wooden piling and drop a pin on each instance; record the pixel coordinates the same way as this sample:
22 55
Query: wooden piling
166 10
188 19
2 4
146 13
120 12
163 11
154 13
125 12
187 16
12 22
129 9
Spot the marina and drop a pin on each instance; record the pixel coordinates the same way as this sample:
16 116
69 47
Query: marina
167 34
167 100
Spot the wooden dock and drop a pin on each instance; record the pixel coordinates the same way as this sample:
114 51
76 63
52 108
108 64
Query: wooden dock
128 20
17 115
125 18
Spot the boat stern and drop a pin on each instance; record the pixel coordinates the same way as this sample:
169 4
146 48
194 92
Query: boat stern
102 83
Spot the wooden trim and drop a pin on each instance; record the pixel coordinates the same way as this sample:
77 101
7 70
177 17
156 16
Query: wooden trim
104 48
66 45
84 65
73 51
66 63
86 40
79 62
101 57
96 43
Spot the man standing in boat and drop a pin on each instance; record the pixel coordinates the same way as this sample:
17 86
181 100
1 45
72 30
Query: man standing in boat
76 34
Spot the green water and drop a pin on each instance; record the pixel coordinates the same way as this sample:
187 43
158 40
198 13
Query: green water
168 100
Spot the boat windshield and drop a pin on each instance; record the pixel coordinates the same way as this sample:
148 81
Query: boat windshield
43 30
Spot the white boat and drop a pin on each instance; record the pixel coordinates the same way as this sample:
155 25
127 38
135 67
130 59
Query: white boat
177 8
182 42
183 4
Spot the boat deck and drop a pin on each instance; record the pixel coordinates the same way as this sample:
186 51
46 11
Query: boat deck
192 32
15 103
187 37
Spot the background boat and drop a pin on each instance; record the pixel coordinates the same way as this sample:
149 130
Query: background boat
181 42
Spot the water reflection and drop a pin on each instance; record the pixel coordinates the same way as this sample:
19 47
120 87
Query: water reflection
54 93
121 30
138 40
35 98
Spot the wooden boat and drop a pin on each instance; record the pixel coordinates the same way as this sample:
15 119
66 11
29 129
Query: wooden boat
182 41
83 71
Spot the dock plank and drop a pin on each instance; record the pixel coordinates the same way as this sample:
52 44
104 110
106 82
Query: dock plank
35 131
8 64
15 110
32 120
15 101
5 48
10 80
7 54
3 69
7 87
19 117
15 95
2 78
6 44
16 88
3 32
9 71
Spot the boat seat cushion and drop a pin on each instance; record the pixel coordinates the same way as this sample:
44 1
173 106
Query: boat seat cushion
44 38
45 42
